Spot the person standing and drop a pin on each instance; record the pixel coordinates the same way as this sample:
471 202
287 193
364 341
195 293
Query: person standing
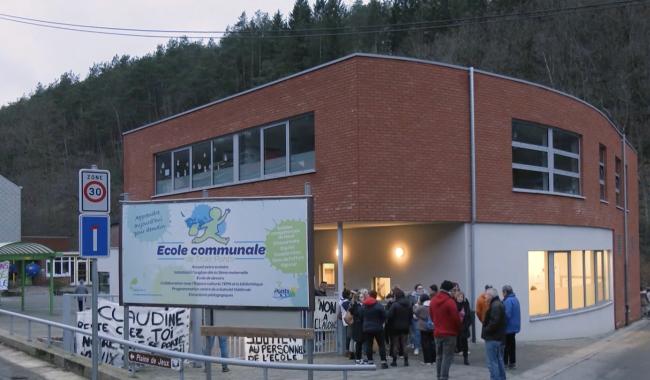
322 290
399 317
461 342
482 304
374 317
414 297
357 324
494 332
513 326
425 325
81 289
446 320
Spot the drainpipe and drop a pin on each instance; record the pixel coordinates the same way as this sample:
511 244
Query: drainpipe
472 232
625 241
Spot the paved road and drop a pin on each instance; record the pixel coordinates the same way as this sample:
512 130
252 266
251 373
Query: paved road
628 358
16 365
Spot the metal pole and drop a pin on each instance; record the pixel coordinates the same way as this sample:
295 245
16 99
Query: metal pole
340 285
95 337
126 334
472 227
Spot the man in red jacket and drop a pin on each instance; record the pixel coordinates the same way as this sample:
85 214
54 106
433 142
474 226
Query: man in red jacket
446 326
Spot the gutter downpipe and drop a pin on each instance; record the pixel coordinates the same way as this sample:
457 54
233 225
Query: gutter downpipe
625 232
472 232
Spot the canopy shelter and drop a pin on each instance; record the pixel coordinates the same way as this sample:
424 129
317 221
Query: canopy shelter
19 251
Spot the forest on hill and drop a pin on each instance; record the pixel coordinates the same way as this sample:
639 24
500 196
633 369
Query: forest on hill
597 50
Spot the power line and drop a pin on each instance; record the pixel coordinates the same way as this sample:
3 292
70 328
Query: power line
371 29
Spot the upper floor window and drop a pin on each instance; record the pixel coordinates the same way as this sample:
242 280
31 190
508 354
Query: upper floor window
276 150
602 172
617 181
545 159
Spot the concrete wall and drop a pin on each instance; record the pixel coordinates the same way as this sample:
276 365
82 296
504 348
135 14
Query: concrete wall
10 211
432 253
502 258
111 265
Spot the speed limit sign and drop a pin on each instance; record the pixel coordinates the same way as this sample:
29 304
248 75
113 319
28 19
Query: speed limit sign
94 190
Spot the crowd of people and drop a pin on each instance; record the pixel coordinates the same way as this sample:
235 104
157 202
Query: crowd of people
436 323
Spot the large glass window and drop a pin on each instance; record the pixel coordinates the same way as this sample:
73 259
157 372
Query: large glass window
275 149
181 160
590 284
301 145
602 172
545 159
201 167
163 173
538 283
249 154
561 280
222 160
606 274
577 280
599 276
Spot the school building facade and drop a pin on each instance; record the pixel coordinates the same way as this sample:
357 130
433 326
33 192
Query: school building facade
422 172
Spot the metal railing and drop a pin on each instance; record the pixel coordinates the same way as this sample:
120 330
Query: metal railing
208 360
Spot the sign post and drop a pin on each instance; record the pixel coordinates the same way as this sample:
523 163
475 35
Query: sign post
94 236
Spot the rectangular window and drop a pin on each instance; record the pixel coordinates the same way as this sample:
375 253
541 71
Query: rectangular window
328 273
201 165
606 273
163 173
538 294
561 280
602 172
301 144
599 277
577 280
617 182
222 160
590 285
181 160
545 159
61 267
249 154
275 149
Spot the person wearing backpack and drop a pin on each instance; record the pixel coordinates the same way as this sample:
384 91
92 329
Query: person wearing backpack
425 326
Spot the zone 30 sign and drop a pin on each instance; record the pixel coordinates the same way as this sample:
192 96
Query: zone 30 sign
94 191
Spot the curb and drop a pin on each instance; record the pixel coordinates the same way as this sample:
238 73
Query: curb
78 365
553 368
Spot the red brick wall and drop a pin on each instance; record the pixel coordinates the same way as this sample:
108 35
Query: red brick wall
392 144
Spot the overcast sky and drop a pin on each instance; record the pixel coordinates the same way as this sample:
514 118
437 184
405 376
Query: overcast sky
31 54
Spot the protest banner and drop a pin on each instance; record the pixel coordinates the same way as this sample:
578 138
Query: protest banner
325 313
165 328
4 275
274 349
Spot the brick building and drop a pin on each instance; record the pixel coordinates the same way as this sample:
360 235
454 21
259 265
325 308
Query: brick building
430 172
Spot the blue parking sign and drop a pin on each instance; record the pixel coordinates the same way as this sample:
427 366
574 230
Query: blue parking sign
94 238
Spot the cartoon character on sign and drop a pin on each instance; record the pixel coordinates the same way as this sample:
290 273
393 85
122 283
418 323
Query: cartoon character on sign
209 222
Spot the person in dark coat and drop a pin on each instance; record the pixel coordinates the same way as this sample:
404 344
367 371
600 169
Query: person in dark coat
357 324
494 333
461 341
374 317
399 318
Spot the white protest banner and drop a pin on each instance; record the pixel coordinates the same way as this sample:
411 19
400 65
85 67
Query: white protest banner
249 252
274 349
156 327
325 313
4 275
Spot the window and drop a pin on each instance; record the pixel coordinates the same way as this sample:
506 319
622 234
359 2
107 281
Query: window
602 172
279 149
62 267
327 273
579 279
164 173
222 160
275 149
382 286
104 282
301 146
181 160
617 182
201 165
545 159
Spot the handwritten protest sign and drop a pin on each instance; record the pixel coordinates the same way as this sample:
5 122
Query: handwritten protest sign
325 314
166 328
274 349
4 275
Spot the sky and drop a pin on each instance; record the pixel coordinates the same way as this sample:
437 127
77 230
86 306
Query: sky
31 54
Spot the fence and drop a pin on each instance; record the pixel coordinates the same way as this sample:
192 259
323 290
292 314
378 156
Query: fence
184 357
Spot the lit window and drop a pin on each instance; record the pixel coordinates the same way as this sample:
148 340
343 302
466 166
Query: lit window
599 276
301 134
590 285
538 283
577 280
545 159
249 154
201 167
382 286
328 273
561 280
602 172
275 149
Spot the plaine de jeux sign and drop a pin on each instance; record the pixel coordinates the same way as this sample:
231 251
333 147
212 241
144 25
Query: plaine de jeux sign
211 252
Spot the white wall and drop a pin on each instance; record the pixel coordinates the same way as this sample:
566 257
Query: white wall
502 258
432 253
111 265
10 211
